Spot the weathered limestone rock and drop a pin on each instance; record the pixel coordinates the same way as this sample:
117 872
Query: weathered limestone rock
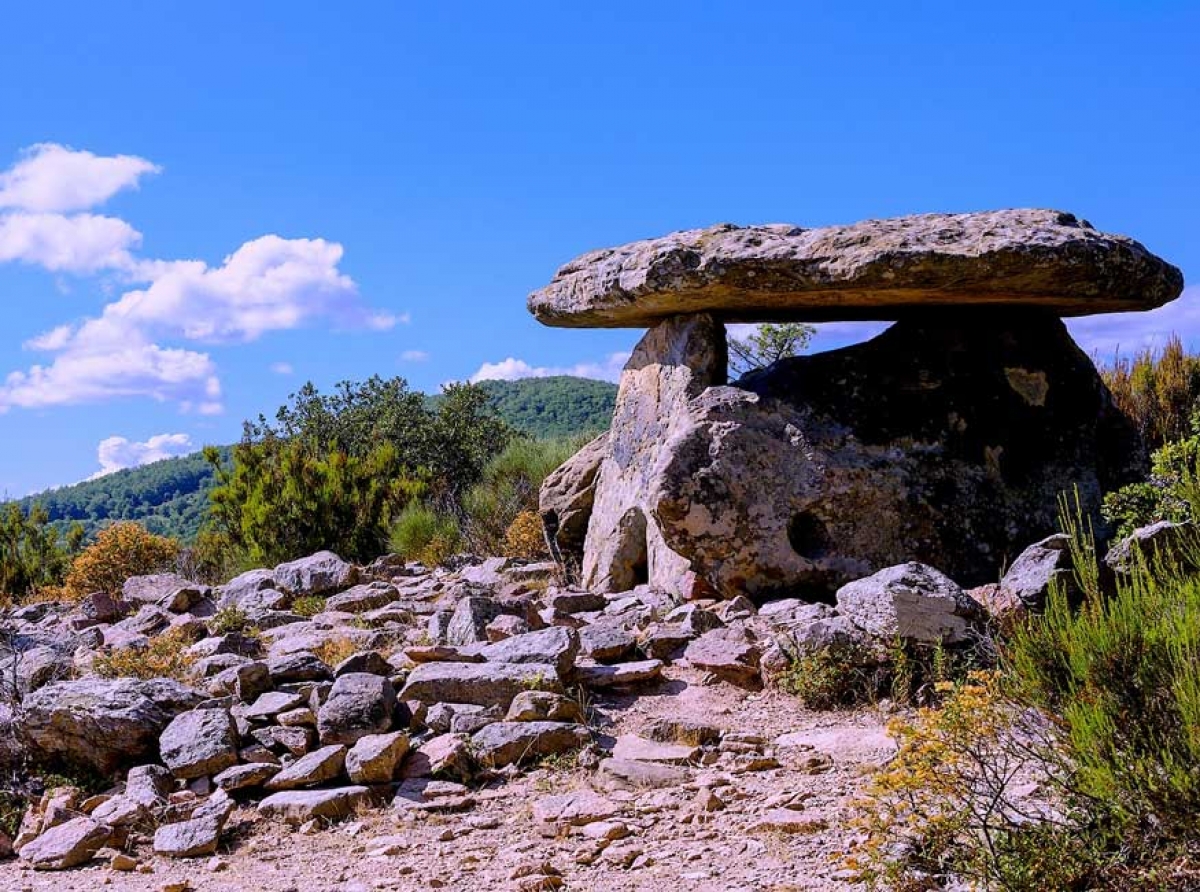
375 759
672 364
910 601
102 724
507 743
168 590
731 654
316 574
619 675
359 704
66 845
1163 541
484 684
954 431
954 436
361 598
555 646
317 767
543 706
295 807
447 755
1026 584
192 838
199 743
241 777
565 503
876 269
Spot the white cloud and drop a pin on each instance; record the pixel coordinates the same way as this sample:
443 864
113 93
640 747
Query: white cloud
52 340
282 368
1126 333
81 375
82 243
117 453
56 179
512 369
414 356
268 284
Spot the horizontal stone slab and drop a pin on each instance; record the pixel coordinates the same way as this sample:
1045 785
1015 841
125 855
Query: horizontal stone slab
876 269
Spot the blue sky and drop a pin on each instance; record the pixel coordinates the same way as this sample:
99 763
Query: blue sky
203 207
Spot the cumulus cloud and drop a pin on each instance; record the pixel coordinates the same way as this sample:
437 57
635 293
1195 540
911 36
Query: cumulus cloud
83 375
414 356
57 179
81 243
282 368
118 453
512 369
268 284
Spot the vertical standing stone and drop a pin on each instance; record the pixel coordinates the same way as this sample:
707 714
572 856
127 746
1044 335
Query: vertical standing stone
676 360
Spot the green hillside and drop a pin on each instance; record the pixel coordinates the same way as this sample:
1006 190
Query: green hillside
553 407
170 497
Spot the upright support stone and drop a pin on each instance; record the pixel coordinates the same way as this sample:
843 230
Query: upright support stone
676 360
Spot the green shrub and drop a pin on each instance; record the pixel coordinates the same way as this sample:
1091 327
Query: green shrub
228 620
122 550
1171 493
33 556
308 605
508 487
165 656
1099 706
847 675
834 677
422 534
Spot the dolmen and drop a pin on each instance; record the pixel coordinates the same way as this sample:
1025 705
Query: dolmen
947 439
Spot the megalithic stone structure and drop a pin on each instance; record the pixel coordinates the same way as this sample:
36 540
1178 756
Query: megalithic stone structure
947 439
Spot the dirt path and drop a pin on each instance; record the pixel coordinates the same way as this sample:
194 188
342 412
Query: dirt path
776 829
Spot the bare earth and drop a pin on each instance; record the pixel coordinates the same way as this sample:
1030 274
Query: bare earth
673 845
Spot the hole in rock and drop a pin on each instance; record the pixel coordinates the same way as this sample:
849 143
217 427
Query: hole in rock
808 536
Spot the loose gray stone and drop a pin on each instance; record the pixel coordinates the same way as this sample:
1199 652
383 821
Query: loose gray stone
555 646
296 807
318 767
911 601
66 845
876 269
199 743
317 574
359 704
484 684
376 758
508 743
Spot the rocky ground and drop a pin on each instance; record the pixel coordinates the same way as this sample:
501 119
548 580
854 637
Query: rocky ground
725 827
471 729
706 828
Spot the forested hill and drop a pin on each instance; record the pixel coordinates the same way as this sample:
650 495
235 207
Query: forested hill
170 497
554 407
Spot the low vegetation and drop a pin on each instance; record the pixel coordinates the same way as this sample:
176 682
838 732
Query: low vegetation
163 656
122 550
1073 767
1158 390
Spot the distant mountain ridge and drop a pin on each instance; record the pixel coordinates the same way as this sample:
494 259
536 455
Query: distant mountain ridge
170 497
